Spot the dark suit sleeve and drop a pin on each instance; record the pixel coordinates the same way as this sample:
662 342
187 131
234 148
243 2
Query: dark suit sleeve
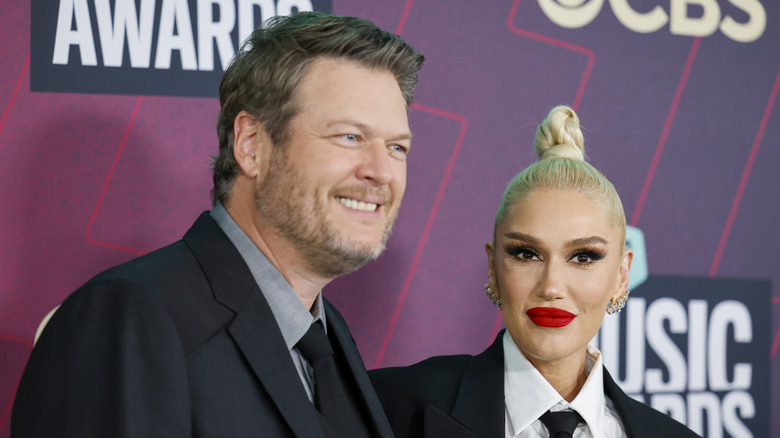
109 364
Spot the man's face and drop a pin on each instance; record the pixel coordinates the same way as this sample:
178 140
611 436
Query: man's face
333 190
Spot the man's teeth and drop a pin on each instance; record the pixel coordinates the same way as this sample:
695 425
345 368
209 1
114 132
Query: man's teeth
357 205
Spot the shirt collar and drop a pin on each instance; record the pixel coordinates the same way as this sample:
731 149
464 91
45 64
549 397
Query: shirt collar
528 395
291 315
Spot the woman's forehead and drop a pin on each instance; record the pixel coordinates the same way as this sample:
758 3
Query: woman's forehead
559 214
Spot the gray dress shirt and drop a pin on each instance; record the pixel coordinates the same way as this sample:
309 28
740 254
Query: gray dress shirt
291 315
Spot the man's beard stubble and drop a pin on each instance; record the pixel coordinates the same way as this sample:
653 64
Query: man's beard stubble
281 201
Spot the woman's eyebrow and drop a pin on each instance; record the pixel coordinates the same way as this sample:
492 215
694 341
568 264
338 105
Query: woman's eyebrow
587 241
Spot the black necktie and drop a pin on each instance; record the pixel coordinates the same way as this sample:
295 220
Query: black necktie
560 424
331 392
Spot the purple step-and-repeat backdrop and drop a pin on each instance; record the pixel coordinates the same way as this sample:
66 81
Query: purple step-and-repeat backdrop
107 122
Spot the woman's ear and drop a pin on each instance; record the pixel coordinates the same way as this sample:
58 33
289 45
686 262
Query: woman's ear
250 141
491 271
623 273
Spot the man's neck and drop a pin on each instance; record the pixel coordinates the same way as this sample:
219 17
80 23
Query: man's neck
287 260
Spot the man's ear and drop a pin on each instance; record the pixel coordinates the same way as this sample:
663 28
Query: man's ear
250 141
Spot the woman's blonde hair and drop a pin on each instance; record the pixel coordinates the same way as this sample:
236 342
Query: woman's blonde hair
561 148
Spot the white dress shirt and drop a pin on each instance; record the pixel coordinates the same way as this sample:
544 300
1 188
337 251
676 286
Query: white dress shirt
528 395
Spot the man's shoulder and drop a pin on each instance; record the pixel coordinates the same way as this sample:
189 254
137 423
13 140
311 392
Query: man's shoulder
172 267
158 266
167 285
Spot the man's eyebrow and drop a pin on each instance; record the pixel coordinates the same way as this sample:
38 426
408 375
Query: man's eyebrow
407 135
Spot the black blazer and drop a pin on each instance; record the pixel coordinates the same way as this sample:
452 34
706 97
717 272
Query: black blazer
463 396
177 343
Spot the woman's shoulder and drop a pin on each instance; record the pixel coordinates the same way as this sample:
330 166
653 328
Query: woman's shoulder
640 419
431 372
406 392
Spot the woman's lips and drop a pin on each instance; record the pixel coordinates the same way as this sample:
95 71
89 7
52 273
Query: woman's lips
550 316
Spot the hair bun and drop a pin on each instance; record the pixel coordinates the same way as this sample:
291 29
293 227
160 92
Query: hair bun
560 136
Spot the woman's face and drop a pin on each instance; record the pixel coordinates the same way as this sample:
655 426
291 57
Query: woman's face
555 264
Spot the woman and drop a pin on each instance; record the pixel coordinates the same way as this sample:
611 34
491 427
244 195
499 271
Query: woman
556 264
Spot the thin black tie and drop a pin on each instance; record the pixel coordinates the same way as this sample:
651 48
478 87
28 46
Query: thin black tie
561 424
331 392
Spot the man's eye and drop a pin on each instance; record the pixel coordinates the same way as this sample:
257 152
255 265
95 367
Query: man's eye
351 137
399 148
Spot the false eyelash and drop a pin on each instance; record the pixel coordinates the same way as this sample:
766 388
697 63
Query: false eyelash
515 250
594 254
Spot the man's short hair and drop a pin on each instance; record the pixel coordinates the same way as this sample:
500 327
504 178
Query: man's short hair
263 76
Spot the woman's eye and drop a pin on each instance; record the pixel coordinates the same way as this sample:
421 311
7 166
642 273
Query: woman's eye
587 257
582 258
523 254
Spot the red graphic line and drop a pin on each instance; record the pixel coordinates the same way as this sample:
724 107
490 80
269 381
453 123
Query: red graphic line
13 96
15 339
496 327
776 342
404 16
105 187
428 225
745 176
7 409
568 46
665 132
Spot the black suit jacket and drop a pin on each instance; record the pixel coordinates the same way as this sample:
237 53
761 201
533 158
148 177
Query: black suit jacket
177 343
463 396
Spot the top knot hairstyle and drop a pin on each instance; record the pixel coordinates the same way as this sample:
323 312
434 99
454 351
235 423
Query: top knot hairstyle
562 166
264 74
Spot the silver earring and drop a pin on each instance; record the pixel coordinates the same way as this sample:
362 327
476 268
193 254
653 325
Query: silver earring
615 308
493 296
253 155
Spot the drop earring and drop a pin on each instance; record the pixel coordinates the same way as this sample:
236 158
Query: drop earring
493 296
613 308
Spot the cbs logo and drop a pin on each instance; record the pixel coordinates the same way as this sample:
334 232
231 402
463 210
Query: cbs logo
578 13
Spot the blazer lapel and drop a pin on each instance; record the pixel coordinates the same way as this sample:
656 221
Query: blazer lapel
254 327
480 402
345 346
634 420
437 424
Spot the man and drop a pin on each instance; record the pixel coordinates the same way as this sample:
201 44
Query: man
205 337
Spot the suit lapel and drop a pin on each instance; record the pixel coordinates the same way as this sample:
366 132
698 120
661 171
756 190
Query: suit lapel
345 346
437 423
634 420
480 402
254 327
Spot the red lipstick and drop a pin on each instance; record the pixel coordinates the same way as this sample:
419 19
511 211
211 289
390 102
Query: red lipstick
550 316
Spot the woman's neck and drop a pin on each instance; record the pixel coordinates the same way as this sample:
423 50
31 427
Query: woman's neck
566 375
